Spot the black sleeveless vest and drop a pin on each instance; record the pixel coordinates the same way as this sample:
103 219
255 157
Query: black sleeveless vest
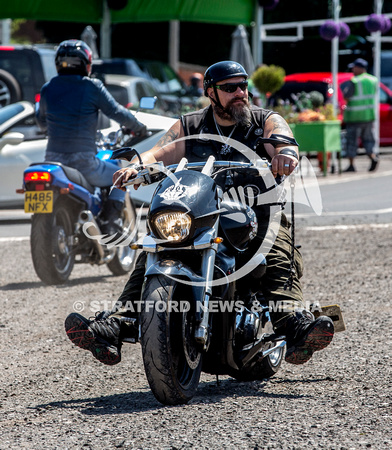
202 122
198 149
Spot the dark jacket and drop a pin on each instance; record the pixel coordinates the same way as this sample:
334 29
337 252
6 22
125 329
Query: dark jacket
68 111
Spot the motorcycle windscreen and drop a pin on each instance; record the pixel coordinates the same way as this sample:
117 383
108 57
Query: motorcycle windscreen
187 191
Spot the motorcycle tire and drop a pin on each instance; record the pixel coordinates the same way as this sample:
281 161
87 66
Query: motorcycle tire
10 91
125 257
171 359
50 236
264 368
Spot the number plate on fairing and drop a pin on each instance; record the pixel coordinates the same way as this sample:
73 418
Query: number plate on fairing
335 313
40 202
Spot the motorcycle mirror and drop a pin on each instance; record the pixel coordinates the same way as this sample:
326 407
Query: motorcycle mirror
147 102
126 153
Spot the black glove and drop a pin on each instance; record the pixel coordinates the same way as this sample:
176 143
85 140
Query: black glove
142 132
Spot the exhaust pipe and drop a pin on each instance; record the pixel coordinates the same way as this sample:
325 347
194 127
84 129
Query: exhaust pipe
281 344
91 230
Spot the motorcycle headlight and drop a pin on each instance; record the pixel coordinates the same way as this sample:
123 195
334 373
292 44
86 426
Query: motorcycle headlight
173 226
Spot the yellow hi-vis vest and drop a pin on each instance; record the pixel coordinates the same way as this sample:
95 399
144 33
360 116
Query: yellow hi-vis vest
361 106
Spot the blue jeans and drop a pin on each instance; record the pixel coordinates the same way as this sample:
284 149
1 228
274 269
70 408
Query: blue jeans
96 171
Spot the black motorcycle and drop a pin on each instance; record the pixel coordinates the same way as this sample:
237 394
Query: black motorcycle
193 317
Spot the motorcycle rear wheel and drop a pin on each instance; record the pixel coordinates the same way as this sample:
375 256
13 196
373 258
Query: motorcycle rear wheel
171 359
125 257
50 241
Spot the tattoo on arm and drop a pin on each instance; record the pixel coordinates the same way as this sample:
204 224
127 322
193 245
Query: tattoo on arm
170 136
280 126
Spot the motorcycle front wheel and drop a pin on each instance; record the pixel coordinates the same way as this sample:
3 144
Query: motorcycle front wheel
125 257
50 243
172 361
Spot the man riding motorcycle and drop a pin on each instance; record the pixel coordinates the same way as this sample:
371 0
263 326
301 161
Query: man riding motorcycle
68 110
229 116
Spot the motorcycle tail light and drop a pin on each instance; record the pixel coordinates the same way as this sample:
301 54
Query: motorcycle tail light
38 177
173 226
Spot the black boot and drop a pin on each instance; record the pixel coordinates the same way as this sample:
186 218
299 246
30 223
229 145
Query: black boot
304 336
101 336
111 221
373 164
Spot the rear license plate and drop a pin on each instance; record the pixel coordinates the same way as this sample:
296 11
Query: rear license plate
38 202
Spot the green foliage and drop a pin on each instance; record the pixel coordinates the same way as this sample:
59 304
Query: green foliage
316 99
308 100
15 27
268 79
306 107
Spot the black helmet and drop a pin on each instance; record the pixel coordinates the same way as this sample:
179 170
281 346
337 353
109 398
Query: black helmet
222 71
73 56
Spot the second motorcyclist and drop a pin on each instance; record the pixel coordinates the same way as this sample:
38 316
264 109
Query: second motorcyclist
68 111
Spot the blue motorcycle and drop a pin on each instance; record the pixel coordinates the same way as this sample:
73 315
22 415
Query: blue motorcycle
65 227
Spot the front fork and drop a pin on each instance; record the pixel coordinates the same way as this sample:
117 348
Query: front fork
207 270
202 284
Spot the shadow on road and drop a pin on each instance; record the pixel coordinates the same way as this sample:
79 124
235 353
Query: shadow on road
68 284
138 401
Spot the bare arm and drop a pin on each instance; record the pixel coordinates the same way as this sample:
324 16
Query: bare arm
281 164
167 149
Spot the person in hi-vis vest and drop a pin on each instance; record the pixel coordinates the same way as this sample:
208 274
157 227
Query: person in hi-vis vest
360 113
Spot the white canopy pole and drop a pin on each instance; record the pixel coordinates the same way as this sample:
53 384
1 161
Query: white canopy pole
377 74
334 58
174 44
5 26
106 34
257 44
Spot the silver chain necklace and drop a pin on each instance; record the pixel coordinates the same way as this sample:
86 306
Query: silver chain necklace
226 149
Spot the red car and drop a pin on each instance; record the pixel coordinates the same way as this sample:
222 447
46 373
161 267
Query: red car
322 82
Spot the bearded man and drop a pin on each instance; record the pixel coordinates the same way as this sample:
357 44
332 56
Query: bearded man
229 117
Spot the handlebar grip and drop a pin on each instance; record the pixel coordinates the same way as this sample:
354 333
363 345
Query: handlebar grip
135 180
127 153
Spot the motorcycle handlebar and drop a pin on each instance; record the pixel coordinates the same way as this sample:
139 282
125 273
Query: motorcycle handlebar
151 173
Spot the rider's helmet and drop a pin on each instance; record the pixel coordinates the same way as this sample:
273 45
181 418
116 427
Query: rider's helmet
73 56
222 71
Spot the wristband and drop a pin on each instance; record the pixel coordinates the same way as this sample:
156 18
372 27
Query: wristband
289 152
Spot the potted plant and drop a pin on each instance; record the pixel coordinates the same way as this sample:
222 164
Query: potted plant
267 80
314 125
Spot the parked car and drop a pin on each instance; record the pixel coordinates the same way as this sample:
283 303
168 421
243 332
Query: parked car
322 82
23 71
164 78
386 68
22 143
129 90
170 87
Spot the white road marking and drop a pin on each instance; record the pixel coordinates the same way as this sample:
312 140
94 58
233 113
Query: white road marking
346 213
14 239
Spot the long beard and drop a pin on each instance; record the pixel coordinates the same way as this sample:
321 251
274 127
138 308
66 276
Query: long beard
240 113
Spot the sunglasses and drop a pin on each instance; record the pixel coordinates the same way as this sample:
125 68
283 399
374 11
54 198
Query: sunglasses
232 87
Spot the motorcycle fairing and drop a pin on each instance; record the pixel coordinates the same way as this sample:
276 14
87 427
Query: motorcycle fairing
194 189
64 176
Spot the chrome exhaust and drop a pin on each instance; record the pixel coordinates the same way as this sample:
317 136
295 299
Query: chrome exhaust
91 230
272 349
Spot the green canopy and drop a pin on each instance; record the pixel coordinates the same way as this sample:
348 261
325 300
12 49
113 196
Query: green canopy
229 12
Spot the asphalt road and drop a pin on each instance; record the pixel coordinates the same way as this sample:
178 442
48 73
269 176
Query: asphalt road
55 395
